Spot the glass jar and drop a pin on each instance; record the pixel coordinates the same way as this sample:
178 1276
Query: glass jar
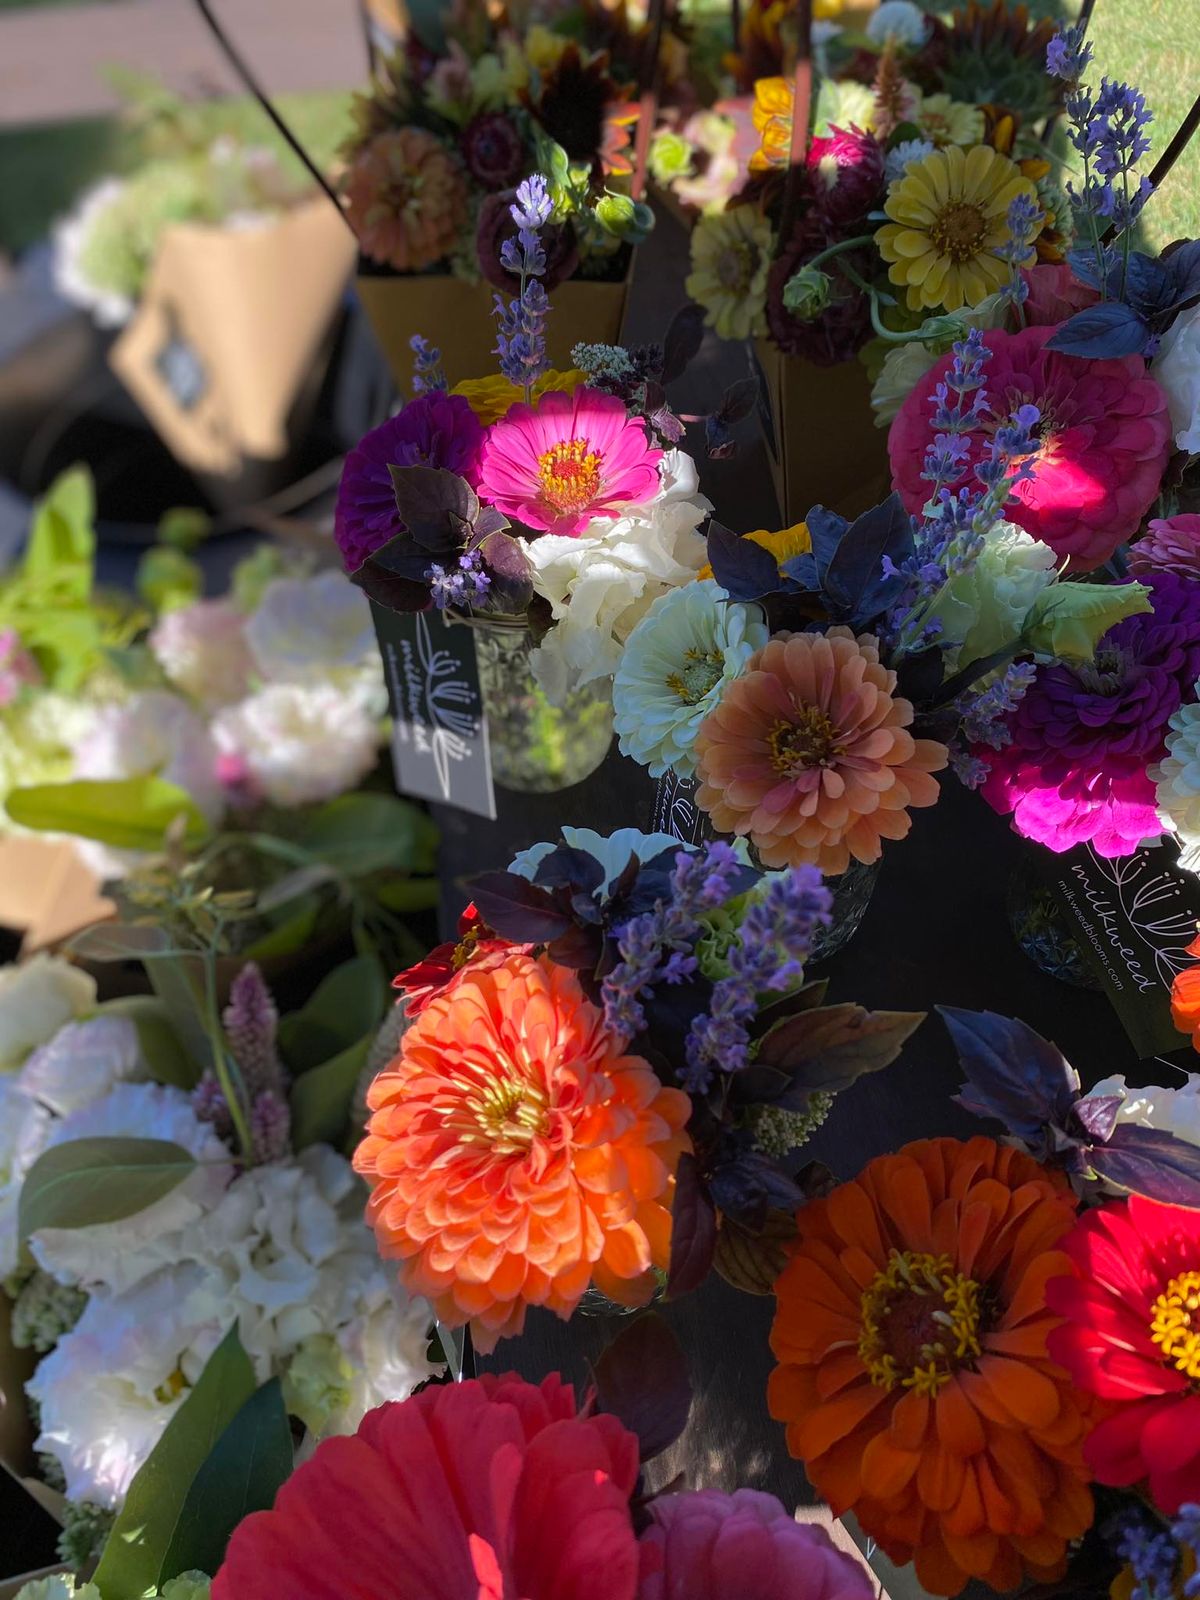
1041 930
536 747
852 891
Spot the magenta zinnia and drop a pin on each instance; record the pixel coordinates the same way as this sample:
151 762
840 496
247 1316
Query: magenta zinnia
558 464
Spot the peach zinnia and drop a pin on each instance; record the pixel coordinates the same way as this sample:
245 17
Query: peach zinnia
809 753
516 1155
911 1329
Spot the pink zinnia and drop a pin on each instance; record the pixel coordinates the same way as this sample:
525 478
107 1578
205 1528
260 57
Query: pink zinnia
1055 294
1171 544
571 457
741 1546
466 1491
1105 438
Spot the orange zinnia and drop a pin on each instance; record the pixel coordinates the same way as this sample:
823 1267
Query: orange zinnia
516 1154
1185 997
809 753
911 1329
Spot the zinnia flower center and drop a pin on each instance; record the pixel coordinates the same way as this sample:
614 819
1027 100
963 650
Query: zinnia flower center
570 474
700 673
735 267
809 740
1106 672
1175 1328
465 948
958 231
507 1114
920 1321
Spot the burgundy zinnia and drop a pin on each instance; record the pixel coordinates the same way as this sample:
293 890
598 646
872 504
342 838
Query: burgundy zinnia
845 177
492 150
843 327
1084 736
434 430
1105 436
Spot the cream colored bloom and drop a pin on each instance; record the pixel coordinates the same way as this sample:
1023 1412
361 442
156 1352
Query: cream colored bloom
37 998
731 257
299 743
1177 777
202 648
944 121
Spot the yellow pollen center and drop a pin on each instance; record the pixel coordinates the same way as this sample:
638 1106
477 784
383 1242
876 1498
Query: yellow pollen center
465 948
506 1114
569 473
808 740
920 1320
1175 1327
171 1387
958 231
701 671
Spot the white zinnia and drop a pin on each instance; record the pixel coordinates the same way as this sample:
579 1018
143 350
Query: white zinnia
24 1128
83 1062
611 850
37 998
1174 1111
153 734
1176 368
108 306
202 649
300 743
602 583
675 667
114 1255
1177 777
900 22
313 631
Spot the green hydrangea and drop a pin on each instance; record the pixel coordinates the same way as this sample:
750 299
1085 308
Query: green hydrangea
84 1530
60 1587
317 1383
43 1311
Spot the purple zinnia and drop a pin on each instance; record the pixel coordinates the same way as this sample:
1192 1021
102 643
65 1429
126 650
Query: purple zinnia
492 150
1084 736
434 430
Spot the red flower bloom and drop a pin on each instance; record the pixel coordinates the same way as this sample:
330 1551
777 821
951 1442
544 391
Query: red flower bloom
1132 1337
468 1491
476 946
1105 437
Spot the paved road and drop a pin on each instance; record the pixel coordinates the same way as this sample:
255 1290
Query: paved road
53 59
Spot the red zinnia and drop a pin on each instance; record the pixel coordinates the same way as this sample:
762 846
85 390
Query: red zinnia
476 946
468 1491
1132 1337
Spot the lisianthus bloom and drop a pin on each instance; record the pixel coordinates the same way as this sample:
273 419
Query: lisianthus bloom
516 1155
406 198
1170 544
1185 998
1104 441
731 257
490 1487
1086 735
1177 782
567 460
476 945
808 753
1177 369
202 648
741 1546
949 218
434 430
37 998
690 644
493 397
911 1330
1175 1111
1132 1337
297 744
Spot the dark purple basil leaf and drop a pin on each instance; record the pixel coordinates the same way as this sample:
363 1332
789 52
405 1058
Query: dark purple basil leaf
1083 264
920 676
433 505
1097 1115
747 1185
1148 285
580 948
517 909
488 521
693 1229
1102 333
1149 1162
510 571
402 558
569 868
642 1379
1013 1074
738 401
826 529
682 343
815 1180
831 1047
854 580
744 569
757 1085
389 590
719 442
1182 271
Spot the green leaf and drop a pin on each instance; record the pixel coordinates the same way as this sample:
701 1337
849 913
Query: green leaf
369 832
408 894
166 1057
127 813
242 1474
346 1005
83 1181
320 1100
167 579
1068 620
134 1559
120 941
178 979
62 540
289 934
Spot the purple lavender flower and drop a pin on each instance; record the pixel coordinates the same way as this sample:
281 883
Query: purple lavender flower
466 585
521 323
428 374
1149 1550
1068 55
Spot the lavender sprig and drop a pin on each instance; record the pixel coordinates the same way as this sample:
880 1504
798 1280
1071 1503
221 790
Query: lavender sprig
1025 216
429 377
464 585
984 721
521 322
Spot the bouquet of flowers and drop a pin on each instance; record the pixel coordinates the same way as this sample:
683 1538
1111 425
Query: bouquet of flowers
175 1217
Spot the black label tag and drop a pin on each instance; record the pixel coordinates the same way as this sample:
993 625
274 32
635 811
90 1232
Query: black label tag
676 811
1133 918
440 736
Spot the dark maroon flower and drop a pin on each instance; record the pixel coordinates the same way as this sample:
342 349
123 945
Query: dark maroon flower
435 430
845 324
846 177
493 151
496 225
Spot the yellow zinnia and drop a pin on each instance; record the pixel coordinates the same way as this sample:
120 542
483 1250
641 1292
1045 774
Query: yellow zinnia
783 543
949 217
490 398
731 257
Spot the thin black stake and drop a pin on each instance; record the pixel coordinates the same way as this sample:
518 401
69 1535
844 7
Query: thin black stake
735 19
1177 146
364 17
802 83
239 65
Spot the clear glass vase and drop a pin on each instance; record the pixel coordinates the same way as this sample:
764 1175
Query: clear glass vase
852 891
1042 931
536 747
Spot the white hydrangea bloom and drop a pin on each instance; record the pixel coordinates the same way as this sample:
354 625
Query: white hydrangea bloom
202 648
676 664
611 850
115 1255
82 1062
1176 368
24 1129
602 583
313 631
1177 777
153 734
300 743
899 21
108 306
37 998
1174 1111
